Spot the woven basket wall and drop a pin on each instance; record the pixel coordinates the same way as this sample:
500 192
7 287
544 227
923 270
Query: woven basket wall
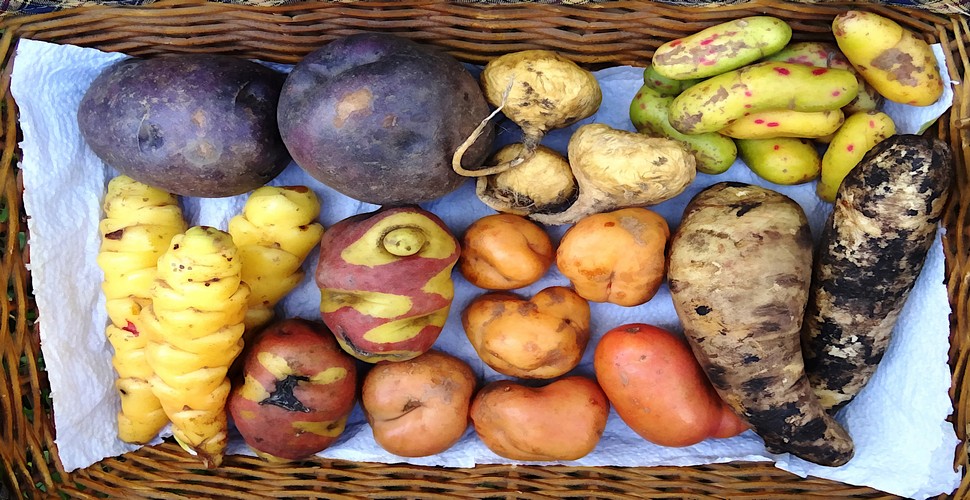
593 34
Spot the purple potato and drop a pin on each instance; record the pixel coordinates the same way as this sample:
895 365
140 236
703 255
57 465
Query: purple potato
378 118
200 125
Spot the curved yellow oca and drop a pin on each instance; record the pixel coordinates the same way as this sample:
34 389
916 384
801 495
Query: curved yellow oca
375 304
369 250
721 48
785 123
718 101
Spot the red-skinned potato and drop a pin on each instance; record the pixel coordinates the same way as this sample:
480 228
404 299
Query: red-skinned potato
385 282
297 390
418 407
504 252
538 338
659 389
563 420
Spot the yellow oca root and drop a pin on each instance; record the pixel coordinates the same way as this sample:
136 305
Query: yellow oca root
196 326
138 225
274 234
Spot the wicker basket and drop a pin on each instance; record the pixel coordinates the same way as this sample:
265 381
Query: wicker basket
594 34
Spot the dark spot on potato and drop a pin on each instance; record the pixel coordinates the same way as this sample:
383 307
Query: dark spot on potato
686 122
718 376
411 405
251 95
899 65
750 358
768 327
283 397
718 96
702 310
757 385
745 207
556 296
526 308
789 280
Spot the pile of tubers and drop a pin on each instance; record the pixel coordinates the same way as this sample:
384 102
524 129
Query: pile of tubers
779 332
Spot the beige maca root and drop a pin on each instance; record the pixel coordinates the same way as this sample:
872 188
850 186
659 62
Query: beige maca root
542 183
617 169
540 91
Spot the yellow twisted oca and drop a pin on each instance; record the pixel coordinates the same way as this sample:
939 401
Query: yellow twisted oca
138 225
274 233
195 323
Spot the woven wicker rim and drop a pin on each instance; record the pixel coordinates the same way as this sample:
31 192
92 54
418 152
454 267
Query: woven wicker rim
609 33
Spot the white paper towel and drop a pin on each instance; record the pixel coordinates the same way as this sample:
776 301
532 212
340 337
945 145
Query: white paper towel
904 445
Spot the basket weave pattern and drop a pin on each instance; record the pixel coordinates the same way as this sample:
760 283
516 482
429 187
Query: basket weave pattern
594 34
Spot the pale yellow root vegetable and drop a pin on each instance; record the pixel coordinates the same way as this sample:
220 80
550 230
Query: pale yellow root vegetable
617 169
860 133
138 225
274 234
195 327
543 183
540 91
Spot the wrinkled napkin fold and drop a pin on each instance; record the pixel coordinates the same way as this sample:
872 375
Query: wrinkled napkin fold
904 444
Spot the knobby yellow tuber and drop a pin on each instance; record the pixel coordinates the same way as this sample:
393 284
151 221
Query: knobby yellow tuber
274 234
195 327
139 222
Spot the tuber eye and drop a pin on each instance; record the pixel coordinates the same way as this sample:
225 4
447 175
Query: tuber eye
404 241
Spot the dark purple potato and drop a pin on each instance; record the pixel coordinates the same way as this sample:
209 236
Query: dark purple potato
199 125
378 118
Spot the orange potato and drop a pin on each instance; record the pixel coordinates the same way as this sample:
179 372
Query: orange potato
418 407
505 251
540 338
617 257
563 420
